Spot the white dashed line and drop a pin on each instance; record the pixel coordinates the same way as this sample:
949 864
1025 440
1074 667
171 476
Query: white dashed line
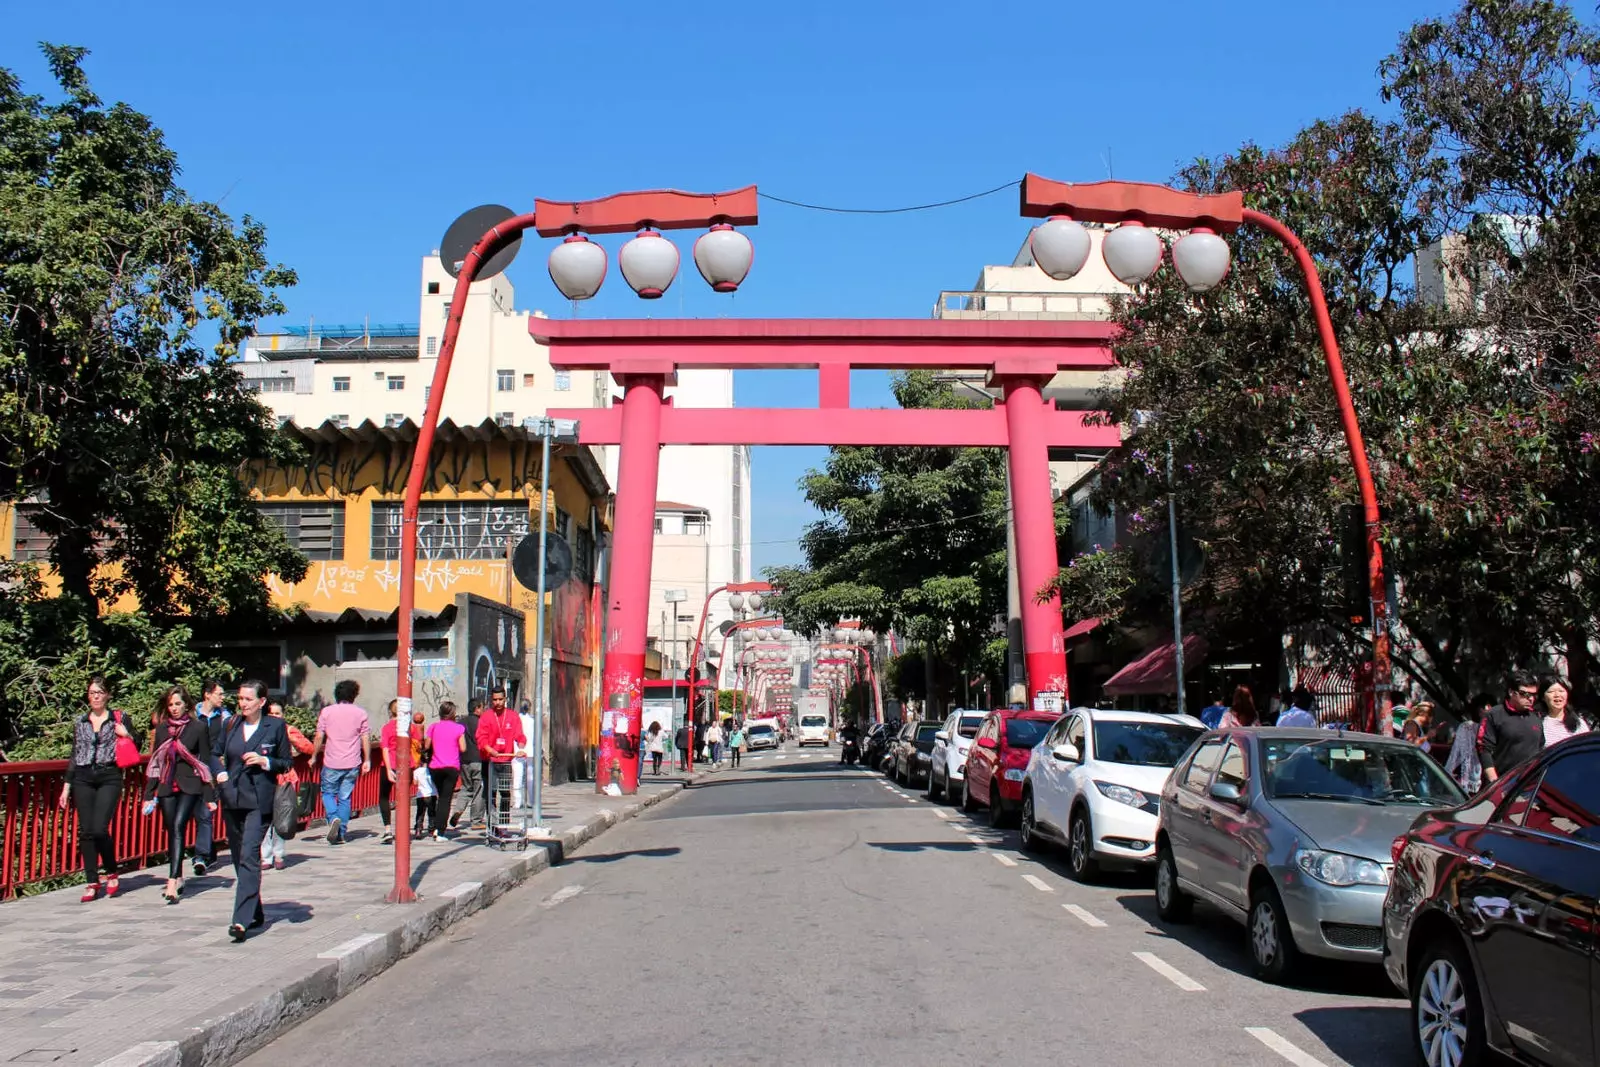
976 840
1282 1047
1169 972
1039 883
1005 861
1084 917
942 814
564 893
911 800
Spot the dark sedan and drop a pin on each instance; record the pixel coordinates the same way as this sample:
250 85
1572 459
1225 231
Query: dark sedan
913 751
1491 916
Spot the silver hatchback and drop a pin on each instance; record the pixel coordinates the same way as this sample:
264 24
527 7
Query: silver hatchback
1289 831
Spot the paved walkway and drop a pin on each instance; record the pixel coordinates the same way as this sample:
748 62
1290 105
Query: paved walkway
87 983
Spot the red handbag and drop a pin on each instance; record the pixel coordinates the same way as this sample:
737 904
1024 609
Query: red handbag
127 752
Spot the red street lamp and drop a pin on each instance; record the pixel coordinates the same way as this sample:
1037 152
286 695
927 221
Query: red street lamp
1133 252
740 594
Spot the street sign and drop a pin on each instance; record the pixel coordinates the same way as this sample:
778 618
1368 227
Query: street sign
464 233
557 564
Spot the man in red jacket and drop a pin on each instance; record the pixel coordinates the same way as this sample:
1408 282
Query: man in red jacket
500 739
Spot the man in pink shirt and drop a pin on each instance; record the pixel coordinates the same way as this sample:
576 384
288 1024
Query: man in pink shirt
343 730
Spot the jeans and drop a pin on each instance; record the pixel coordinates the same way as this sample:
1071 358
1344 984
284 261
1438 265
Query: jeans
205 837
272 845
470 798
338 783
716 752
246 827
95 794
177 810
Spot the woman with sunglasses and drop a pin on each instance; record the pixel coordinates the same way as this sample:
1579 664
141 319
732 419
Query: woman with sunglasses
94 784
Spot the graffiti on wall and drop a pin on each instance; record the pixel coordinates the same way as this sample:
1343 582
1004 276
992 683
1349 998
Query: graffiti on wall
495 641
352 467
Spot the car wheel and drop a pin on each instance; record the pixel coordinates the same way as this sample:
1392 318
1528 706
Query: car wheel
966 797
1031 841
1080 848
1172 903
934 790
1447 1017
1272 947
997 810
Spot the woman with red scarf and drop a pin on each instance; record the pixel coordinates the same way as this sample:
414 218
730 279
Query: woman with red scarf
178 776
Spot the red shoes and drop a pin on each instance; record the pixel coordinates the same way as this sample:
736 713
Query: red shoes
90 892
112 886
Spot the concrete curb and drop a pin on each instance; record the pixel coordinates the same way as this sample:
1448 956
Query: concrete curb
246 1023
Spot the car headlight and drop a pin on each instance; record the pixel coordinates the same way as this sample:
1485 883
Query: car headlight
923 757
1015 774
1336 868
1122 794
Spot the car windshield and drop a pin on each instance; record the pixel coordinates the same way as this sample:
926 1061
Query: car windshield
761 729
813 720
967 725
1356 770
1143 744
1025 733
926 731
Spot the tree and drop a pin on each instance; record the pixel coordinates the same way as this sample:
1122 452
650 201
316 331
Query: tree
121 302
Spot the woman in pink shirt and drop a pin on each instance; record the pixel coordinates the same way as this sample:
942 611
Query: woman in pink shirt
447 739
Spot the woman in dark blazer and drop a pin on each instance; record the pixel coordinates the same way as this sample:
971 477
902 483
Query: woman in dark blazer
179 776
255 750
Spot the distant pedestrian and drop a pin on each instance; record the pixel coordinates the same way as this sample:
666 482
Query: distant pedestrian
1299 712
714 743
94 782
469 800
213 712
680 747
522 766
501 740
1242 712
447 740
345 745
736 744
255 750
1463 764
179 778
655 743
1419 726
272 843
1212 713
388 741
1561 719
1511 733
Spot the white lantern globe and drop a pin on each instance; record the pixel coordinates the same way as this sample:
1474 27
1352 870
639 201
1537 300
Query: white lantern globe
736 601
577 267
649 262
1132 252
1060 247
755 601
723 256
1201 259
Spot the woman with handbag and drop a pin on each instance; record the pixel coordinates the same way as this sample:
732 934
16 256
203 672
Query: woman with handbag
272 844
255 750
178 776
104 746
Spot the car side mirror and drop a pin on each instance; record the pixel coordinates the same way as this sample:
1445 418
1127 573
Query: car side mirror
988 742
1067 752
1227 792
941 736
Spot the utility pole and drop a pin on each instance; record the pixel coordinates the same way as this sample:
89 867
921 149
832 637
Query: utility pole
674 597
1177 583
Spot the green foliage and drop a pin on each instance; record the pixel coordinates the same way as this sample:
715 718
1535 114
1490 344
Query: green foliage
1097 585
121 301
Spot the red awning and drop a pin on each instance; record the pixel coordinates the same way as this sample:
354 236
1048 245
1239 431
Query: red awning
1079 628
1153 672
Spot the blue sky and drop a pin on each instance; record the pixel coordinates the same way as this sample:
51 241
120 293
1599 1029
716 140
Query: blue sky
356 131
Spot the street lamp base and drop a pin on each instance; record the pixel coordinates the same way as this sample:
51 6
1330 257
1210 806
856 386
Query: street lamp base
402 896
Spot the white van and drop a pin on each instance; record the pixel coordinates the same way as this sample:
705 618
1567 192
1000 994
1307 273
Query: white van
813 730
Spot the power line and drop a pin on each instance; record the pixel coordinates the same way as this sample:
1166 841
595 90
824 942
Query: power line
891 210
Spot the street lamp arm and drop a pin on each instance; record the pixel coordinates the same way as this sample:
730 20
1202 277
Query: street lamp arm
1382 676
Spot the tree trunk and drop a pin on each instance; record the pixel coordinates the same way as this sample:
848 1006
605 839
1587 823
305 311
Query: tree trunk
932 705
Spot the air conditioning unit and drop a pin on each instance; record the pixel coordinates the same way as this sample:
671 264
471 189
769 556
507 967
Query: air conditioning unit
378 374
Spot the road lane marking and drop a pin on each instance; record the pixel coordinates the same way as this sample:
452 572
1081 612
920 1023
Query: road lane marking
1039 883
1277 1043
562 894
1005 861
943 814
1084 916
1169 972
976 840
913 800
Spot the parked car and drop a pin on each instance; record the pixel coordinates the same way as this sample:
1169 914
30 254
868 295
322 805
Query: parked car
878 744
761 735
948 760
913 749
1490 919
1094 785
997 762
1289 831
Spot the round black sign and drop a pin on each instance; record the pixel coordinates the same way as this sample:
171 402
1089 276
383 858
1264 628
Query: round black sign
557 562
464 233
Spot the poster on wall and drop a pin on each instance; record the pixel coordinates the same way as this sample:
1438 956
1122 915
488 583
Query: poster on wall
666 711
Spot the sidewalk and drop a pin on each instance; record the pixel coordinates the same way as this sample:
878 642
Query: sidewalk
133 981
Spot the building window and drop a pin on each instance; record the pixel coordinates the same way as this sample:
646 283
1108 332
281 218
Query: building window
341 421
660 526
427 393
583 555
506 418
453 529
31 543
694 525
397 382
433 288
377 648
433 346
393 419
527 381
275 385
341 385
504 381
315 529
563 381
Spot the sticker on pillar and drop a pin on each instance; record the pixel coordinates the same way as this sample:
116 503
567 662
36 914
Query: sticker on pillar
1046 701
607 722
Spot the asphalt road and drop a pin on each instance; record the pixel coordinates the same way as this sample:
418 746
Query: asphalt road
798 912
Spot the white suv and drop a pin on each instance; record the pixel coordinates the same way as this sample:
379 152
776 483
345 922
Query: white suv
1094 785
949 757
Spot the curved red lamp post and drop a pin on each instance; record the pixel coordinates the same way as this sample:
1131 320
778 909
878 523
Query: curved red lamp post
743 589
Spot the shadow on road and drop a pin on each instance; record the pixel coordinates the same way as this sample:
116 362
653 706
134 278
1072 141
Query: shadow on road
613 857
923 846
1371 1036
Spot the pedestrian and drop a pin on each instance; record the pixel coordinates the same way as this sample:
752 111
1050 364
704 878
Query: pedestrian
94 783
1419 726
272 843
1511 733
469 799
501 740
736 744
1560 719
680 747
255 750
421 777
213 712
1299 712
714 742
1463 764
655 743
388 738
1212 713
179 778
447 740
1242 712
522 766
345 745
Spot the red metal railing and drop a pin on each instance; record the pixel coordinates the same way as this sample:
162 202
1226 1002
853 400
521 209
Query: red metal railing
41 839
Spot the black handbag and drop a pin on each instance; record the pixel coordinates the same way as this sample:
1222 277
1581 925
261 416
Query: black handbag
285 812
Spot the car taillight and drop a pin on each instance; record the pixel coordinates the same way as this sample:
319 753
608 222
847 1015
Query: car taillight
1397 846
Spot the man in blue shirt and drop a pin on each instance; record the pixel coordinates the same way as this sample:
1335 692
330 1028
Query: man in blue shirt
1299 712
211 712
1212 714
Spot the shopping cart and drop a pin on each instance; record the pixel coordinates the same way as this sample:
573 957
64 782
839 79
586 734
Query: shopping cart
507 826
